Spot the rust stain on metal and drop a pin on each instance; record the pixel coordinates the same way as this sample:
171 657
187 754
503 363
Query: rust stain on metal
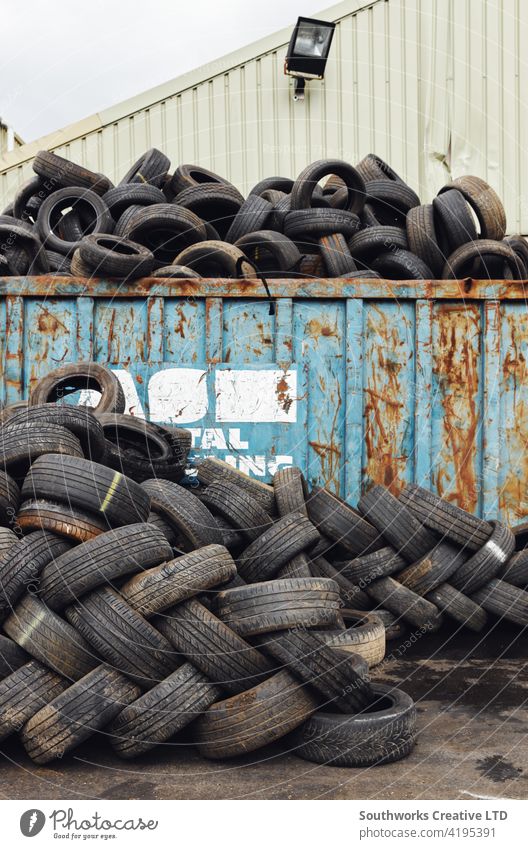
329 452
513 497
384 407
456 366
179 326
49 323
283 394
316 328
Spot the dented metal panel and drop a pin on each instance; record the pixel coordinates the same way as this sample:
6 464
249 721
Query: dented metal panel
353 381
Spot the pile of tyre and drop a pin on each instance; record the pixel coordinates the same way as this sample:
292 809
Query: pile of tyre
139 608
233 613
334 220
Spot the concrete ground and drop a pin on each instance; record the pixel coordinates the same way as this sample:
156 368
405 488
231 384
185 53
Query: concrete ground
472 699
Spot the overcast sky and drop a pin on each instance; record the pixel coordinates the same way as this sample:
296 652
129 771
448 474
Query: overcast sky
62 60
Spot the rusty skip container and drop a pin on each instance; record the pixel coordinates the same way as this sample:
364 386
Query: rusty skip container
352 381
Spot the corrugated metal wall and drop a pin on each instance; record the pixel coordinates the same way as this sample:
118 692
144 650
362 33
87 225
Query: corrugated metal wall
433 87
5 140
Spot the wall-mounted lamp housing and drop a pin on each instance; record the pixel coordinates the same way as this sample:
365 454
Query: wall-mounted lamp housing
308 51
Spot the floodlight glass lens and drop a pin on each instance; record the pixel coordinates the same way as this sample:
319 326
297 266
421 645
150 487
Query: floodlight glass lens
312 41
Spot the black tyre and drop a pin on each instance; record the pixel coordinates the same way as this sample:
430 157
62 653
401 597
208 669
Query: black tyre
142 450
288 486
390 200
74 525
384 732
350 594
255 718
212 469
280 184
367 244
12 657
485 203
61 172
363 570
22 444
396 523
433 569
122 637
252 216
404 602
306 183
485 563
401 265
151 168
482 258
446 518
364 635
459 607
25 692
423 239
163 228
277 605
184 511
7 539
340 677
274 254
161 712
186 176
217 203
176 271
342 523
176 580
314 223
213 258
299 566
289 536
503 600
243 512
212 647
372 167
78 420
122 197
20 571
89 206
454 220
74 715
74 377
115 256
89 486
9 499
104 559
336 256
395 627
49 639
515 570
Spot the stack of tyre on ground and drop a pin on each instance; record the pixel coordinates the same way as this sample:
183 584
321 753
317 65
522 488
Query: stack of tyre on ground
334 220
238 612
131 606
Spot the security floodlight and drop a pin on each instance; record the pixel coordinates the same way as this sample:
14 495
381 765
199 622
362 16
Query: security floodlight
308 51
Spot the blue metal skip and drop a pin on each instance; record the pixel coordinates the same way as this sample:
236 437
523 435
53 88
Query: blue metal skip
353 381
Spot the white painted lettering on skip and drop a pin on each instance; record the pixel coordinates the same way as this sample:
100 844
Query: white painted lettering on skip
178 395
248 395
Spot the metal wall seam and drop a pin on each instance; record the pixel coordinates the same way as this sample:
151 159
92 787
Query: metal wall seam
491 412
